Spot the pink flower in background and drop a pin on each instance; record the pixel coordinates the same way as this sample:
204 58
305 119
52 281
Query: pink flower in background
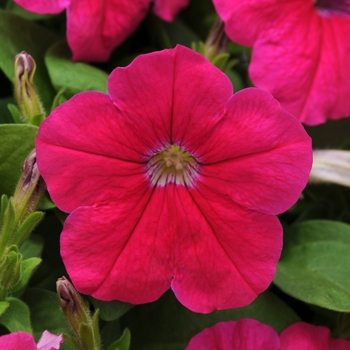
249 334
95 28
301 52
172 181
244 334
25 341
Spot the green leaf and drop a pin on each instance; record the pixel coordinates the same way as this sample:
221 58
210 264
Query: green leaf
17 140
3 306
18 34
315 264
32 247
123 343
45 311
27 227
15 113
110 310
28 267
16 317
70 76
166 324
5 114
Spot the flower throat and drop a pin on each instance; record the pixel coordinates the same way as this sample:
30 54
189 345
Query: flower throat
332 7
172 165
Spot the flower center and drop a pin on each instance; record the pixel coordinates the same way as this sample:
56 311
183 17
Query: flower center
329 7
173 165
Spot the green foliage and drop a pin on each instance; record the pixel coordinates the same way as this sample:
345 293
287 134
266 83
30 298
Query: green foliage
72 77
16 317
18 34
110 310
45 311
17 140
123 343
315 264
166 324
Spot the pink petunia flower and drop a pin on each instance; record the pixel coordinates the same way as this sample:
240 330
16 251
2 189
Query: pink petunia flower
249 334
301 52
172 181
25 341
95 28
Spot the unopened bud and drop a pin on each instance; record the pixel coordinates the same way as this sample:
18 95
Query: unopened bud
25 91
85 327
217 42
10 269
29 188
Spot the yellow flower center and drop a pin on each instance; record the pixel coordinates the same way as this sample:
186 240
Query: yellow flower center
172 165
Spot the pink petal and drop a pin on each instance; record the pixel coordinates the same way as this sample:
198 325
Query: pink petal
49 341
245 334
17 341
168 9
225 255
95 28
214 256
299 55
123 252
87 155
278 153
306 65
302 335
187 93
43 6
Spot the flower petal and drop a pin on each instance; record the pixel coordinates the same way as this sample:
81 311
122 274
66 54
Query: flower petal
302 335
95 28
266 173
168 9
49 341
122 252
306 65
43 6
17 340
216 256
172 95
226 255
244 334
251 17
93 163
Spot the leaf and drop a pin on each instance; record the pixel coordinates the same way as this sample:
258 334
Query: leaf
3 306
18 34
32 247
123 343
28 267
70 76
16 317
5 114
166 324
110 310
315 264
17 140
45 311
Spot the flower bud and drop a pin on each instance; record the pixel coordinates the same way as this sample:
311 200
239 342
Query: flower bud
29 188
10 268
217 42
84 327
25 91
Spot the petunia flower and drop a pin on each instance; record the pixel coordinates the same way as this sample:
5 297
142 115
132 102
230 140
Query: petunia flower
22 340
301 52
172 181
249 334
95 28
